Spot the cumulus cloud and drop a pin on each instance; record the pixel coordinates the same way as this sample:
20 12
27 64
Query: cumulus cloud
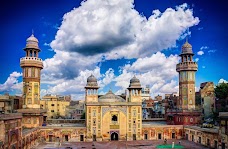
200 53
114 26
222 81
65 65
158 71
101 30
76 86
12 83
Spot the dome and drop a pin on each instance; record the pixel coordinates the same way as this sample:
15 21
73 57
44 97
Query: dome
134 82
32 43
32 38
187 48
91 81
110 97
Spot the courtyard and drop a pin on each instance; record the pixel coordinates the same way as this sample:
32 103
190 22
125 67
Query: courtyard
145 144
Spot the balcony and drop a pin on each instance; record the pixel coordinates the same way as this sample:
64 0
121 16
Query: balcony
31 61
187 66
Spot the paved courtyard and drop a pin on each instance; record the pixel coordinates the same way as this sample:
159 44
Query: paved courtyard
118 145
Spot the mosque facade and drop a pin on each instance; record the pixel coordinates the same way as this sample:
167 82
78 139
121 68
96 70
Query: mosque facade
109 117
112 117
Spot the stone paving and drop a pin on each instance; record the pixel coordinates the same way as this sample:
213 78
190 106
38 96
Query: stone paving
144 144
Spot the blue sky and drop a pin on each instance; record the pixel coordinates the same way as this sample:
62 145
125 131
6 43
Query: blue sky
114 40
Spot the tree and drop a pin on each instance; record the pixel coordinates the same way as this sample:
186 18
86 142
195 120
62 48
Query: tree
221 91
83 115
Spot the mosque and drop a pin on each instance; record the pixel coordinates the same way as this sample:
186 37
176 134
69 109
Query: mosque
108 117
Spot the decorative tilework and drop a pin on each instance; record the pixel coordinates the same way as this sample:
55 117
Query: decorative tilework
107 109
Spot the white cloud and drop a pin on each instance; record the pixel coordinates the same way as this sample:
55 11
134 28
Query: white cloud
211 51
114 26
204 47
200 28
197 59
104 30
158 71
222 81
200 53
76 85
12 83
203 67
46 44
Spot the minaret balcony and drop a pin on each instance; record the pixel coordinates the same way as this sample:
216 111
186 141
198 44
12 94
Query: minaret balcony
185 66
31 61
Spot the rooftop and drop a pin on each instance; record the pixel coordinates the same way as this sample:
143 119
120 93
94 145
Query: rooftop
10 116
28 130
66 125
210 130
223 114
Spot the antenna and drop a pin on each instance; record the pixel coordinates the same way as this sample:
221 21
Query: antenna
32 31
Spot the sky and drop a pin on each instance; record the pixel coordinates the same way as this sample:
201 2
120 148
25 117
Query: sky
113 40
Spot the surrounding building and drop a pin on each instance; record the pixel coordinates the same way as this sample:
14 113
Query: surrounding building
56 108
76 109
11 130
207 99
6 104
146 93
9 104
223 140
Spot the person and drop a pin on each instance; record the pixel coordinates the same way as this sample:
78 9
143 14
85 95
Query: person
165 141
173 145
59 142
179 142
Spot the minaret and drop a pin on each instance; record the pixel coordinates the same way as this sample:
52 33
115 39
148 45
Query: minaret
33 115
135 90
31 65
187 69
91 89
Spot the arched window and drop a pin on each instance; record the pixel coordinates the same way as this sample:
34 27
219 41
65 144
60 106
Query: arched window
114 118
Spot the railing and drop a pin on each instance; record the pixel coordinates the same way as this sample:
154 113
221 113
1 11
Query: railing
62 121
187 65
31 58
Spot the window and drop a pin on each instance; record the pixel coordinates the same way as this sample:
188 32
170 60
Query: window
29 101
134 112
52 105
52 111
114 118
94 112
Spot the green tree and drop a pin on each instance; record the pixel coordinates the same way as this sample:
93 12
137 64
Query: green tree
83 115
221 91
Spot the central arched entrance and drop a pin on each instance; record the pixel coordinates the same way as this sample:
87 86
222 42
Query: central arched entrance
114 136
